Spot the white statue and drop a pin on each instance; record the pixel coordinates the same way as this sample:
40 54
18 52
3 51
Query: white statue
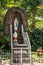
15 24
15 35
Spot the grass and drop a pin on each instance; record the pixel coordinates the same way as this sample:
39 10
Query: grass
36 55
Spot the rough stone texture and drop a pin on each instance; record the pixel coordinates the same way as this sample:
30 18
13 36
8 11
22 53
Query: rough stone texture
11 15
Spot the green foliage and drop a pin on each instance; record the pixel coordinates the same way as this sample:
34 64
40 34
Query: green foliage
4 41
34 3
36 38
32 9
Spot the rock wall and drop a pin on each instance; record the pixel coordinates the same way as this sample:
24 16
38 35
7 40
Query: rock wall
10 16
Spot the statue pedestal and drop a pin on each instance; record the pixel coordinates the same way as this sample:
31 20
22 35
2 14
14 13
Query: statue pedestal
20 55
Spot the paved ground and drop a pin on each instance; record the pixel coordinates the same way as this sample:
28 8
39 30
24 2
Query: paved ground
33 64
36 63
7 62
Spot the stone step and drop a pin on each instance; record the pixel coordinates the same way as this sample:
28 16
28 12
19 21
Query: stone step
20 46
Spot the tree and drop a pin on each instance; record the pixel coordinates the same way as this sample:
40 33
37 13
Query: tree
31 7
